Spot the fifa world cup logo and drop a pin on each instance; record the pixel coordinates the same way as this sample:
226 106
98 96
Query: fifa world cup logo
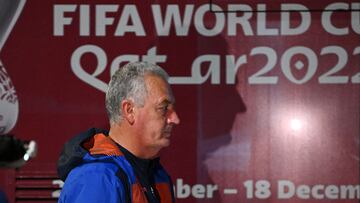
9 105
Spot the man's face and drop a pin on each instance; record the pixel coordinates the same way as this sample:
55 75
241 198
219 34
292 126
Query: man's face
154 121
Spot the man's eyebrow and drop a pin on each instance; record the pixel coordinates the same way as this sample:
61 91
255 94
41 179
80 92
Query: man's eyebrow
167 101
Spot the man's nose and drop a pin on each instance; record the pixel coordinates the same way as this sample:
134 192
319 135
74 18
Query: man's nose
173 118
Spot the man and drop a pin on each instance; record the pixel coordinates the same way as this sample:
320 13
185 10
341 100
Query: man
122 165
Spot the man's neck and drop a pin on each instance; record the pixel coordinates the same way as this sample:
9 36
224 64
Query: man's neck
124 136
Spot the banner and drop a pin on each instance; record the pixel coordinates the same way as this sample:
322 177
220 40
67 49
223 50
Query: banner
268 93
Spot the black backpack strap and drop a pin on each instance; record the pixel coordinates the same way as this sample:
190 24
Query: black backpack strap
172 190
124 179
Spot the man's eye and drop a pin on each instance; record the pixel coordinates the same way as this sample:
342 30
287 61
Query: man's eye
163 109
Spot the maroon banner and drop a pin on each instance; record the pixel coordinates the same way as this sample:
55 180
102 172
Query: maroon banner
268 93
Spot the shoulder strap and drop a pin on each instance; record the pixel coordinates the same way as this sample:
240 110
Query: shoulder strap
172 190
124 179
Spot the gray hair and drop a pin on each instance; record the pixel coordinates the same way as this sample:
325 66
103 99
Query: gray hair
128 83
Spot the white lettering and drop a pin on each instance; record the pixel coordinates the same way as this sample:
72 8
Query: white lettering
196 77
303 192
350 191
60 20
84 20
200 22
232 67
152 57
315 191
262 30
285 20
182 190
243 20
287 58
102 20
198 191
326 19
82 74
176 18
355 17
286 189
172 14
332 192
130 12
210 190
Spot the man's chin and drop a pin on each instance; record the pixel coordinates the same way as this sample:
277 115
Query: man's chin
166 142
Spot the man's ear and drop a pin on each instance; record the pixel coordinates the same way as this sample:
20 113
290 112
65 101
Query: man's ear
127 107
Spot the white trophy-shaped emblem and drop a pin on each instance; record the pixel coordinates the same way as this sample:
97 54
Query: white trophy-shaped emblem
9 105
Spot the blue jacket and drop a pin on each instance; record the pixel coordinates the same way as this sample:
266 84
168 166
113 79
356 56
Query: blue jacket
95 170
